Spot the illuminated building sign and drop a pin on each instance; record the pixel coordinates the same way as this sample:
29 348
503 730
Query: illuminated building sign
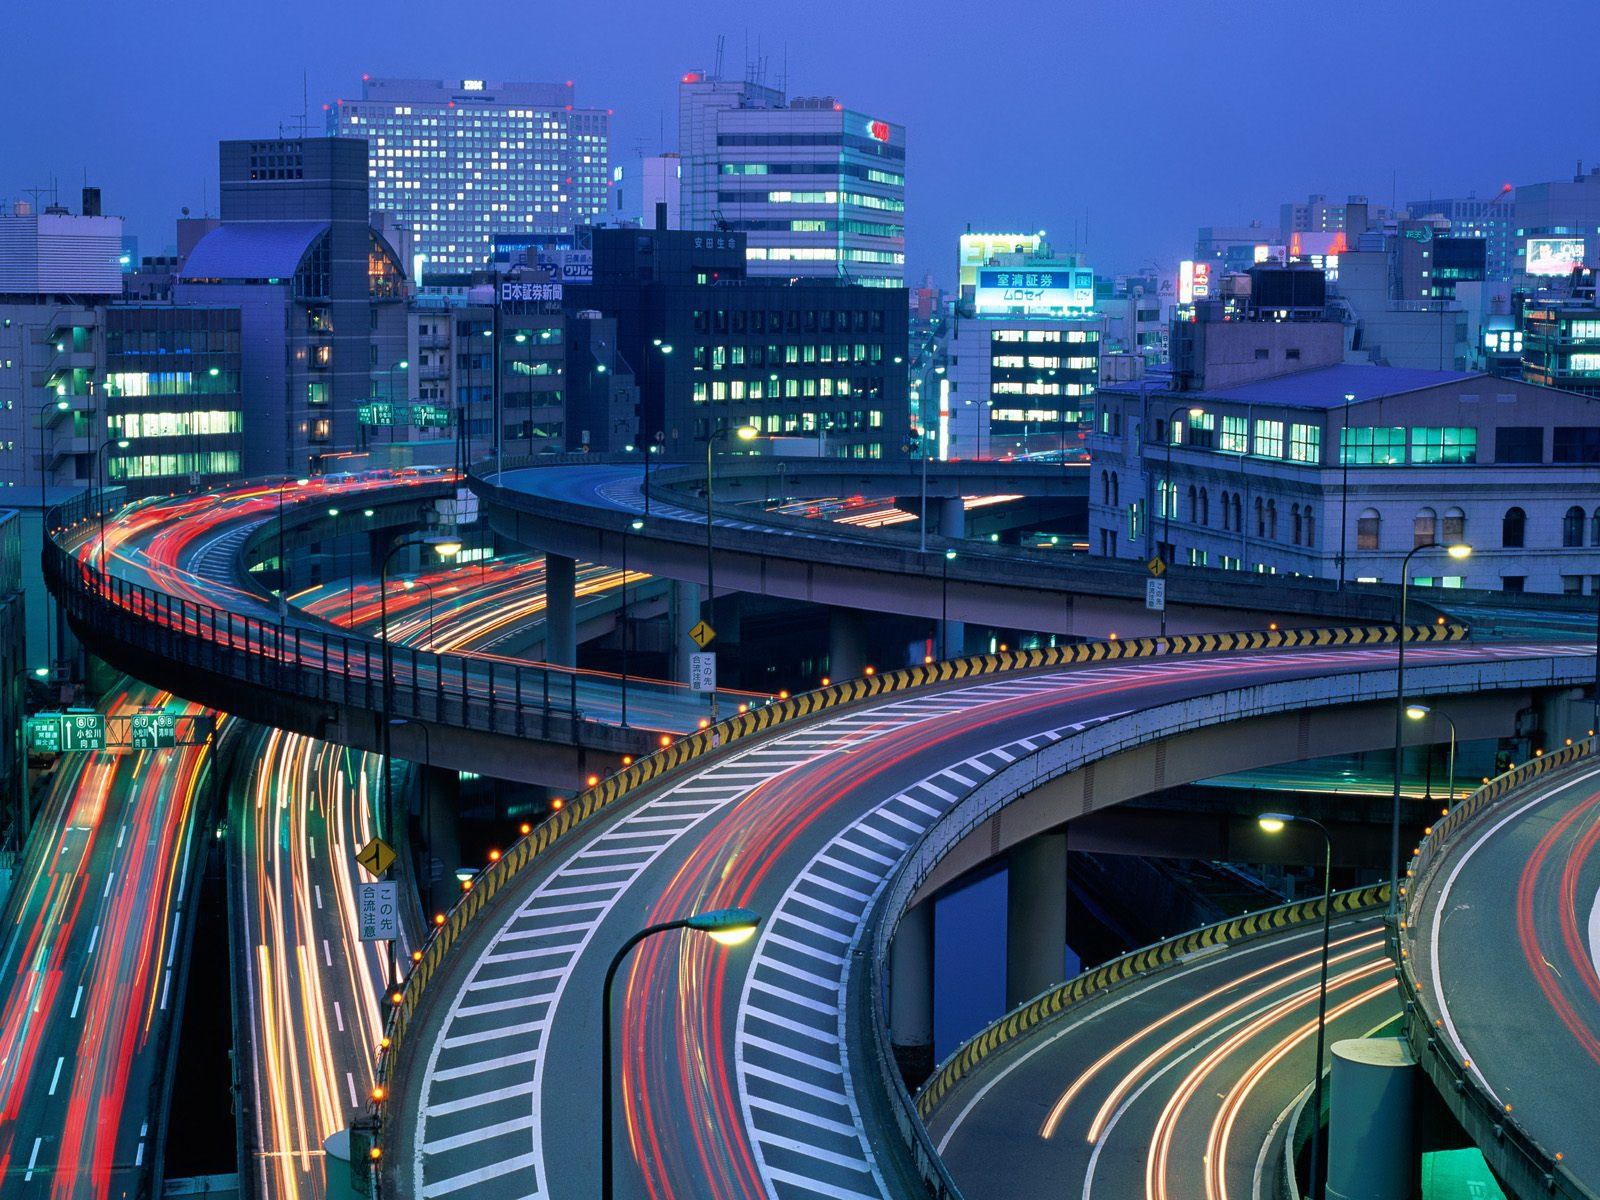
1041 290
1194 281
879 130
516 293
979 248
1553 255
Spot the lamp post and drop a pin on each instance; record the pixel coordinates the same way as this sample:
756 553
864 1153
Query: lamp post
944 604
635 525
1274 823
744 433
1344 486
427 811
725 926
56 405
650 445
427 589
1458 552
100 457
444 547
1170 498
1417 712
402 365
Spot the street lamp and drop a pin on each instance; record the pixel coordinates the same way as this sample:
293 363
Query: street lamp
1170 497
427 589
725 926
444 547
1419 711
944 604
1274 822
100 457
45 409
636 525
1344 485
402 365
745 433
1458 551
427 809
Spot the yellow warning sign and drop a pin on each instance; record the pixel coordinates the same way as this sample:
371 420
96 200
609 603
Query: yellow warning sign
377 856
702 634
1156 567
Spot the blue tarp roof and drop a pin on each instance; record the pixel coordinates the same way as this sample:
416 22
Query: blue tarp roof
252 250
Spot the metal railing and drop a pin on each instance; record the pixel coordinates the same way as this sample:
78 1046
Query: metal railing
1518 1158
315 664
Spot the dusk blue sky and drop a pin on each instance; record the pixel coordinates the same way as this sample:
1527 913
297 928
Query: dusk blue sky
1132 122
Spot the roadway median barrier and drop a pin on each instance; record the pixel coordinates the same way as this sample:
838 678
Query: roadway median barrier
1526 1166
1091 985
758 721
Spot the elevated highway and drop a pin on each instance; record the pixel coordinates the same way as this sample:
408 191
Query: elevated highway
172 604
584 510
1502 959
1174 1071
768 1071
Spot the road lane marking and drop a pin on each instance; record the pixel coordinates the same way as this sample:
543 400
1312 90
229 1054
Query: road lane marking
338 1015
56 1078
32 1158
76 1000
94 936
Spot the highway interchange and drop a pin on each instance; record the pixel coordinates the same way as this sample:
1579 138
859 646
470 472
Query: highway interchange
736 1069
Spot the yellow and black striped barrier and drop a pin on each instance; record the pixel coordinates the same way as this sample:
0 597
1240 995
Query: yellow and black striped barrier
1022 1021
759 720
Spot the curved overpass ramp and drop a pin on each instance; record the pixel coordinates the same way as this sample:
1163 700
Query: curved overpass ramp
1174 1071
584 509
1502 943
756 1072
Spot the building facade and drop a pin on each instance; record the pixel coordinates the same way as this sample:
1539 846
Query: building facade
321 296
1286 472
817 188
712 349
459 161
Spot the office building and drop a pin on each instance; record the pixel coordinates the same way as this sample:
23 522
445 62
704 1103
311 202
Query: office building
16 815
1560 341
1556 226
1318 215
1023 352
820 362
1259 433
321 295
1470 217
818 189
646 191
461 160
1228 250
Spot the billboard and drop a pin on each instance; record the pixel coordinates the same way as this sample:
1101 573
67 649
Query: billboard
1553 255
1194 281
1045 291
978 248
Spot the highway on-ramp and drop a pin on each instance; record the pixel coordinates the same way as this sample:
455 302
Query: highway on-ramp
1506 947
1169 1087
734 1064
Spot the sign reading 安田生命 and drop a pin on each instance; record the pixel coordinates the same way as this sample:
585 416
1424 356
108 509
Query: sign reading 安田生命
1039 290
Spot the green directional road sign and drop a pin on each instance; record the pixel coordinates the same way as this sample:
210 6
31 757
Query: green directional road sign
83 731
44 733
430 416
379 412
153 731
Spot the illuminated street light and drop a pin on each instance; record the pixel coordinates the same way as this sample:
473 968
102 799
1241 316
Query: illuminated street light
726 927
1419 712
1458 551
1274 823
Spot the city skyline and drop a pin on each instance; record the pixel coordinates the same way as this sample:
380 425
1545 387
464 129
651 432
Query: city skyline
1012 104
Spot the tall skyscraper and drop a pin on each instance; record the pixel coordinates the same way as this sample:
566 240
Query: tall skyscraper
819 189
460 161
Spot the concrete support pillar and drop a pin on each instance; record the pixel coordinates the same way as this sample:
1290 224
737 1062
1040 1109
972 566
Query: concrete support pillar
439 847
911 994
1036 916
1372 1150
952 518
560 615
847 643
685 613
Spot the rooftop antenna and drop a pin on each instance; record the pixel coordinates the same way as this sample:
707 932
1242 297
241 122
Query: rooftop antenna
722 40
783 80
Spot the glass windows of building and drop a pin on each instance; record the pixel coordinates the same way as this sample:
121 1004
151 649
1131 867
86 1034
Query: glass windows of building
1519 444
1368 527
1513 529
1268 439
1425 527
1572 527
1235 435
1305 444
1444 444
1575 444
1367 446
1455 527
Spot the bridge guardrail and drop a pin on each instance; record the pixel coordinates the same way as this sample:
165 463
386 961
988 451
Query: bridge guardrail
317 664
1136 964
1518 1158
622 785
